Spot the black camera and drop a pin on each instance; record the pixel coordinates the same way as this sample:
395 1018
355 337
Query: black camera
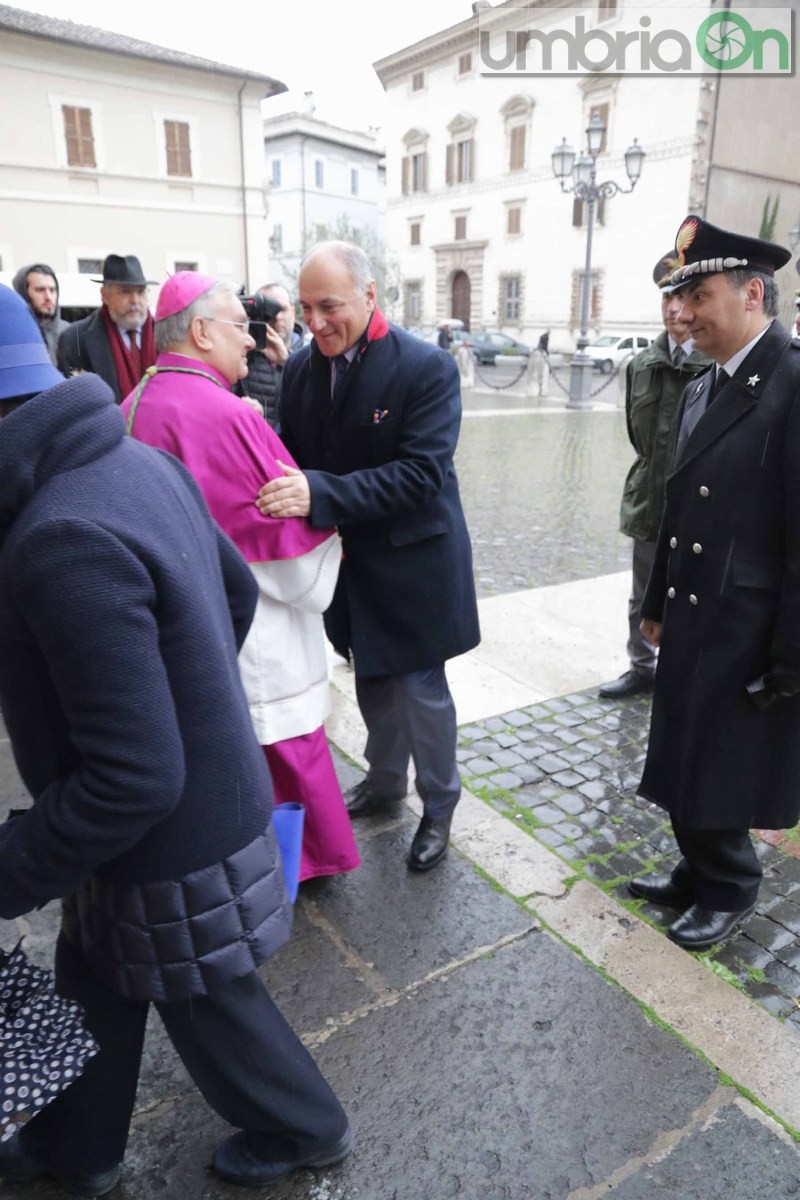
260 311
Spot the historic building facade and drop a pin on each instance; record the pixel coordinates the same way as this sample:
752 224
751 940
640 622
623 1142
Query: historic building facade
482 229
120 146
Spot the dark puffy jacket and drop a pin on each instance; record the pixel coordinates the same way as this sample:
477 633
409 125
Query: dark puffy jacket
262 383
122 607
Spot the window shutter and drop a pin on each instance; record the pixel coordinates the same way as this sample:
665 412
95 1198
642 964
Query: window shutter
405 169
577 212
425 171
79 136
600 211
448 173
178 148
470 175
517 148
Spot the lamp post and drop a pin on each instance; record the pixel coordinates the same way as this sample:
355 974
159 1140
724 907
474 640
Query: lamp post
584 185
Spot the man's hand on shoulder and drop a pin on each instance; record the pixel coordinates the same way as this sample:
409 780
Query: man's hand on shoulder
287 497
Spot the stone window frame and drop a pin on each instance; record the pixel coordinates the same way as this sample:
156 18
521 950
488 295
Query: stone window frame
415 285
519 207
60 101
595 300
460 150
505 299
415 141
517 113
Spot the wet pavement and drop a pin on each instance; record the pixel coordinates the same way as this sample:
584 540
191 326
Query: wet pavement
567 771
541 493
476 1054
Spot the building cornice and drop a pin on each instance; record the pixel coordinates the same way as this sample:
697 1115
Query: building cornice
289 125
463 36
90 37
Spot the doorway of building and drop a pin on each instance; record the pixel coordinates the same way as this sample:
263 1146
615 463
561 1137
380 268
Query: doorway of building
461 290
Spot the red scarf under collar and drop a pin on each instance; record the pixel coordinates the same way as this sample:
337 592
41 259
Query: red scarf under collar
127 375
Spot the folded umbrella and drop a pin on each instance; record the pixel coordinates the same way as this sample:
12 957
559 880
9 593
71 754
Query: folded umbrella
44 1043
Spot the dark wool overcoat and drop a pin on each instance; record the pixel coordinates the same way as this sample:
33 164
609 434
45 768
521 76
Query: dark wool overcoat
379 461
121 608
726 583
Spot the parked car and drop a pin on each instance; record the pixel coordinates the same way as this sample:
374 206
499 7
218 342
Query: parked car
610 351
488 344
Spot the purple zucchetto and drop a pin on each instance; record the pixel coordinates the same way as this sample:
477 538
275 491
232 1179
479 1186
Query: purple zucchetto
181 290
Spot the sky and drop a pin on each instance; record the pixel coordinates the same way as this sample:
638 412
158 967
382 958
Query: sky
323 46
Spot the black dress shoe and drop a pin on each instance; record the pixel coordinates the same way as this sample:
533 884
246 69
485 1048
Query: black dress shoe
235 1162
17 1165
632 683
659 889
430 843
366 800
701 927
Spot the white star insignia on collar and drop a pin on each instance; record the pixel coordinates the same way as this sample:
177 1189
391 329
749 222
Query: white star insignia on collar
753 380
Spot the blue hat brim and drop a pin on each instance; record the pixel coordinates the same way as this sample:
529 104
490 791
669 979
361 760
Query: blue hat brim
18 378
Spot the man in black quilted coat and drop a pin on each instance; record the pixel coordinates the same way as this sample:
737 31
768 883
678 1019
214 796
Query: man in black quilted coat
122 608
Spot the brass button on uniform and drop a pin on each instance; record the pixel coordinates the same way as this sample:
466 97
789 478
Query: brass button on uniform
693 599
671 593
697 548
673 541
704 490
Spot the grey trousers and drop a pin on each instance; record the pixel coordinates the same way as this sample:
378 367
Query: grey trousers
412 716
643 656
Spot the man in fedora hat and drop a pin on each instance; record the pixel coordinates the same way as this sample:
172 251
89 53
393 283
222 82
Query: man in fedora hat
116 342
723 600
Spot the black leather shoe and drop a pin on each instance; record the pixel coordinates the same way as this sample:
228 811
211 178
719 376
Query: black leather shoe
632 683
701 927
430 843
17 1165
659 889
236 1163
365 800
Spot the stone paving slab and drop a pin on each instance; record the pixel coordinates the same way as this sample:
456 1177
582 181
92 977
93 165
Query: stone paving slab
587 756
523 1074
394 939
745 1158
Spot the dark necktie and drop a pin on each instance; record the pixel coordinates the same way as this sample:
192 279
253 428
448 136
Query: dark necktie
719 383
136 355
340 365
677 356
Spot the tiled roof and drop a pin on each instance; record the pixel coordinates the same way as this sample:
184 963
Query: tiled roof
88 36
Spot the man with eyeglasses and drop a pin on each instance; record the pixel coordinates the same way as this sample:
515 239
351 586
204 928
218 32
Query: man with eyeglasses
116 342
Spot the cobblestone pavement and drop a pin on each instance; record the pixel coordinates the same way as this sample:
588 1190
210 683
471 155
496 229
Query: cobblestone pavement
567 771
541 493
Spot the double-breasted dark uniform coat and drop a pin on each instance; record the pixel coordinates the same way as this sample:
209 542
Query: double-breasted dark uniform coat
726 584
379 462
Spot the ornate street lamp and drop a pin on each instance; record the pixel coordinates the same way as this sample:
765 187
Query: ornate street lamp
794 236
584 186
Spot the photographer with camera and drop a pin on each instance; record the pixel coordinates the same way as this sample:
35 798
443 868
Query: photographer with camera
274 344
